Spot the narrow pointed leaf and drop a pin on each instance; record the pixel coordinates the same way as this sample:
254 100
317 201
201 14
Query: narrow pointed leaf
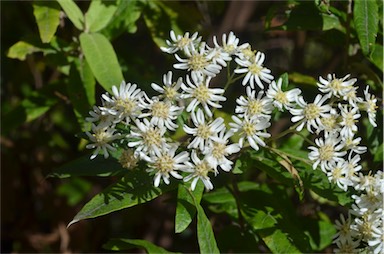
98 16
127 244
205 236
102 59
47 15
21 49
366 19
185 209
73 12
133 189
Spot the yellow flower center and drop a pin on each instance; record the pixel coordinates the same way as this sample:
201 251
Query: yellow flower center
127 105
249 128
197 62
335 85
255 69
203 131
101 136
326 152
311 111
183 42
170 92
152 137
281 97
160 110
202 168
255 107
218 150
164 163
202 93
128 160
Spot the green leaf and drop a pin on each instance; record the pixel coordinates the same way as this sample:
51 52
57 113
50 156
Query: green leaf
126 15
74 190
73 12
32 107
185 209
47 16
302 79
160 18
21 49
376 56
127 244
98 16
366 19
102 59
84 166
205 235
133 189
81 89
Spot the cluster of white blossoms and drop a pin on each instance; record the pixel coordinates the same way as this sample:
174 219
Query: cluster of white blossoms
144 127
333 118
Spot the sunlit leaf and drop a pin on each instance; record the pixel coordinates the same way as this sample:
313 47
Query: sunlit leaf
21 49
127 244
47 15
136 187
102 59
185 209
98 16
366 19
73 12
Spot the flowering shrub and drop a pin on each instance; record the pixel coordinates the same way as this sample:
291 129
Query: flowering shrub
185 136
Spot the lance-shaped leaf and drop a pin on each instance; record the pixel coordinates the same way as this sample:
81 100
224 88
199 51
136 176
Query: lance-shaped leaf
366 18
98 16
185 209
21 49
127 244
133 189
205 236
73 12
47 16
102 59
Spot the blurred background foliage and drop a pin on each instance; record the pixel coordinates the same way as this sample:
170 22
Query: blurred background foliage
44 98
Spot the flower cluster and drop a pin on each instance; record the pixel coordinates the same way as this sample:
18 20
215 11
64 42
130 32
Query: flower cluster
148 128
333 119
144 127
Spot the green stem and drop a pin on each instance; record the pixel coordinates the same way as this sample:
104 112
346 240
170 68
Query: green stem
279 152
282 134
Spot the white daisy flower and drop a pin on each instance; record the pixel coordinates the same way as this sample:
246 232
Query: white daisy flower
161 113
282 99
364 182
230 43
344 232
125 102
310 114
338 174
199 62
255 71
147 137
353 145
170 90
352 98
335 86
180 42
128 159
219 149
330 124
204 132
353 167
200 93
251 130
327 151
101 115
350 246
219 56
349 118
245 52
101 137
253 106
370 106
376 242
199 171
165 163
